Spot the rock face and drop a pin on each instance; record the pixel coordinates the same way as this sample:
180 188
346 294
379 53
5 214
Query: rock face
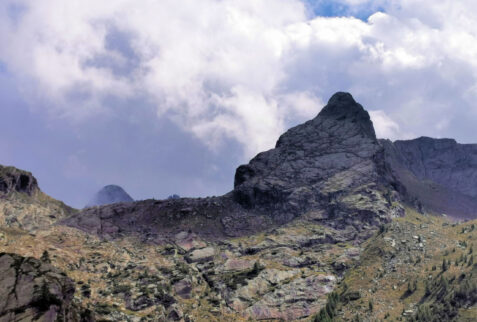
332 163
443 161
335 151
439 175
108 195
32 290
15 180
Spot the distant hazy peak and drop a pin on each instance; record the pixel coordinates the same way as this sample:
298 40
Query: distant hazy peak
108 195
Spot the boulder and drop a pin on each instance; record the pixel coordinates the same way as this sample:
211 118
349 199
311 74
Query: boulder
34 290
201 255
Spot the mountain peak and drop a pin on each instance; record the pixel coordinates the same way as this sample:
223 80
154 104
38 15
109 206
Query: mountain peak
110 194
308 159
342 107
341 97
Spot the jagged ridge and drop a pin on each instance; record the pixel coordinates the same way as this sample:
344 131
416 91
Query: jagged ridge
437 175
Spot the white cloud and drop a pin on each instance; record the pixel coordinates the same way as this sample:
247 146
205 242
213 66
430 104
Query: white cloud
384 126
246 69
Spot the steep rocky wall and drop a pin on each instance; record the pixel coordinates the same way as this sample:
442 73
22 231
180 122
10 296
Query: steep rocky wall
297 174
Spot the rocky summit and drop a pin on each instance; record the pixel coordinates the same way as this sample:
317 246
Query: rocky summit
108 195
330 225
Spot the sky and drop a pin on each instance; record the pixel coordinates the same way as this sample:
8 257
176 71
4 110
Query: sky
169 97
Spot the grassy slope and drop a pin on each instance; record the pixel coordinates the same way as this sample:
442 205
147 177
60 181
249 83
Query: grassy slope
38 211
400 276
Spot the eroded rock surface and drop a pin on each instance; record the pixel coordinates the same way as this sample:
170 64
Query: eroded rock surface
32 290
333 152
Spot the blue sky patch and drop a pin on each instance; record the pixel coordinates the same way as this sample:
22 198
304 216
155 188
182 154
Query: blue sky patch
330 8
3 68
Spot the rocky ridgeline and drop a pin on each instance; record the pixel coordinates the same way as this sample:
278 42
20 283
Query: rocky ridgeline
333 164
435 175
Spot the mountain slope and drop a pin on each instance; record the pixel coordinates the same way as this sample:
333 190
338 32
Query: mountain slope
418 268
23 205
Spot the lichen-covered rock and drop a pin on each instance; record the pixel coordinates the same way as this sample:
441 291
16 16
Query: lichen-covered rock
201 255
290 301
32 290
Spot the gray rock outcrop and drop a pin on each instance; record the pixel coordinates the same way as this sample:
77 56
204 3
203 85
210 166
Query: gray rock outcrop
15 180
33 290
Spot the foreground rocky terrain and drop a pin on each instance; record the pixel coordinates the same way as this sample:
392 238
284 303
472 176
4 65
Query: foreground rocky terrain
331 224
32 289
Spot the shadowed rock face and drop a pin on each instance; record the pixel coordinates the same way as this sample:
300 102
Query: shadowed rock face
15 180
108 195
33 290
332 163
443 161
439 175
